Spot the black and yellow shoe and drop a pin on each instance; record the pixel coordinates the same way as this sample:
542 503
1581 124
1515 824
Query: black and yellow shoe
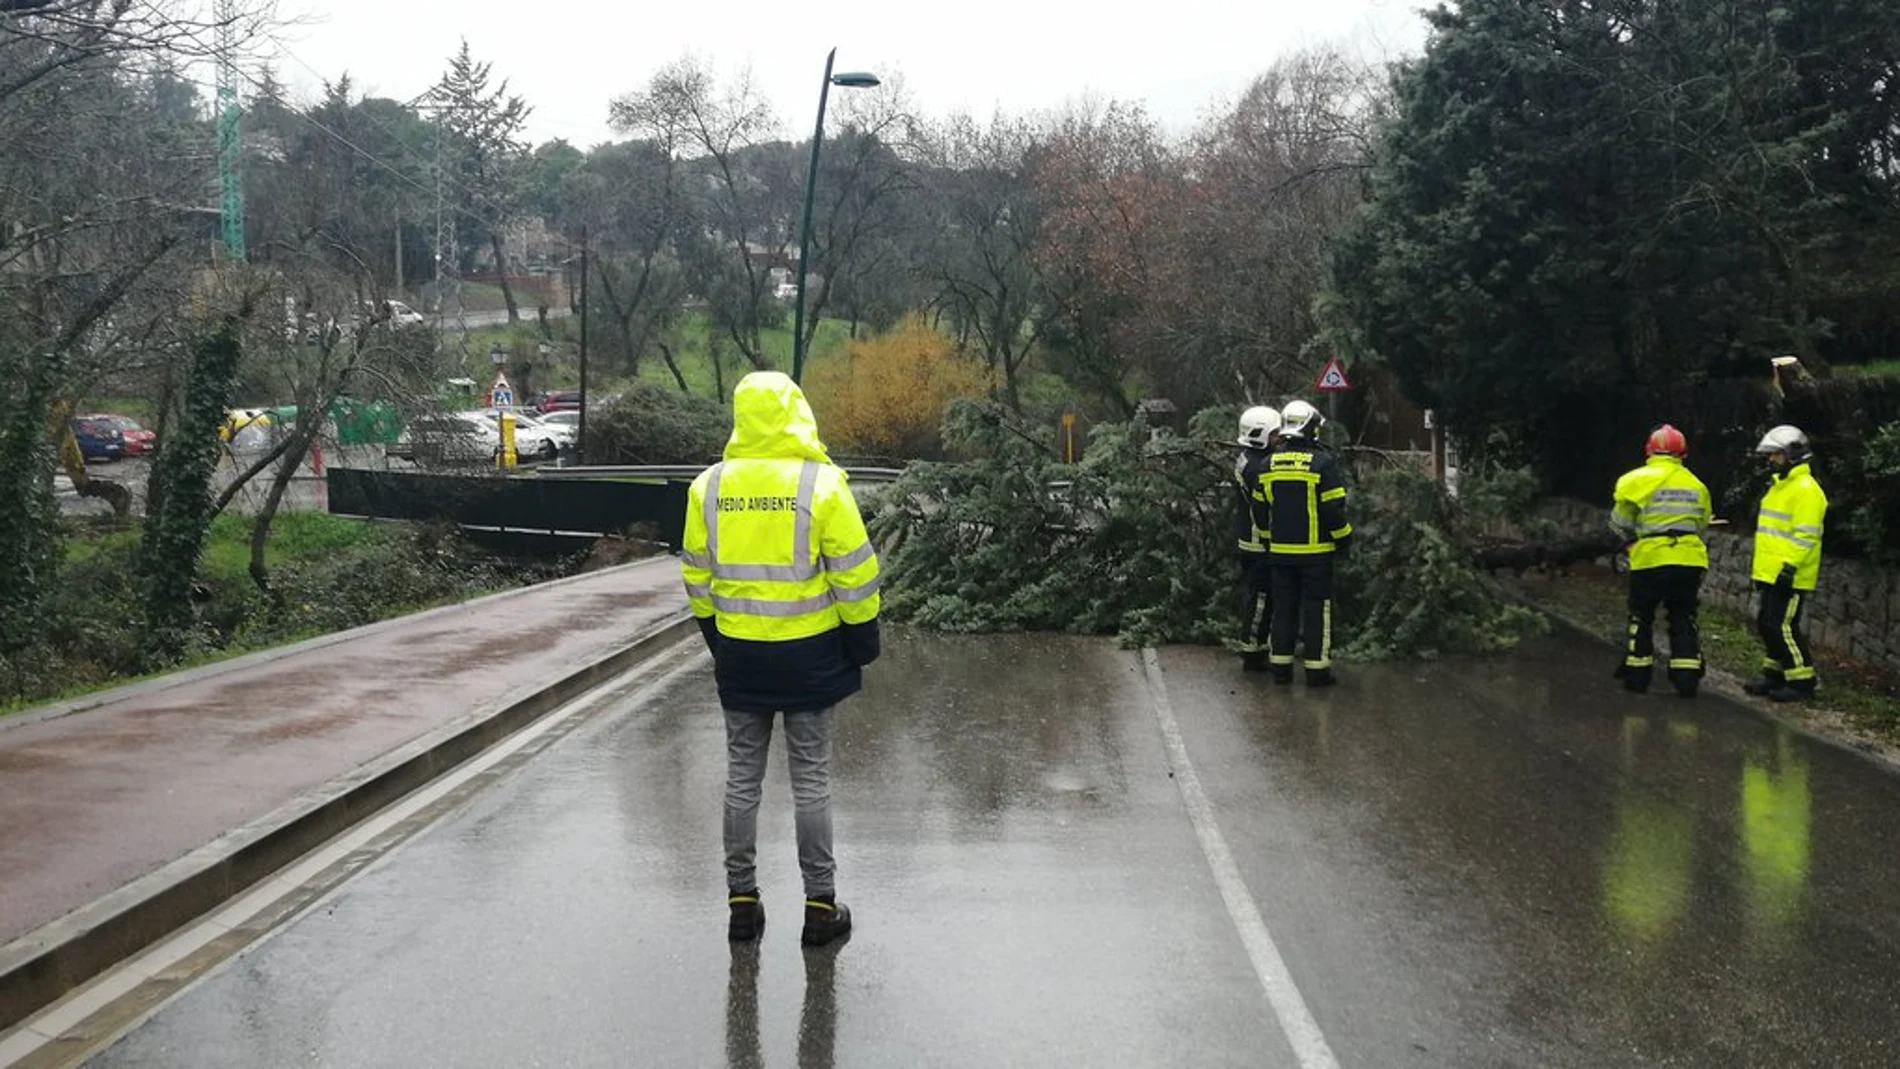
825 919
748 917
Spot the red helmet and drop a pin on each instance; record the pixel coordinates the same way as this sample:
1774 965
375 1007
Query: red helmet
1667 439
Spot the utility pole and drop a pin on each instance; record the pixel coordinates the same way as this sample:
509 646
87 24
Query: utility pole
580 430
230 140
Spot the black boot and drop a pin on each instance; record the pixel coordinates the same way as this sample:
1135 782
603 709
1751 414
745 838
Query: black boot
1320 677
1253 661
748 917
1792 692
1635 680
825 919
1763 687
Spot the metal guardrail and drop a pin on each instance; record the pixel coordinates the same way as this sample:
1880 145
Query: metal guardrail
685 471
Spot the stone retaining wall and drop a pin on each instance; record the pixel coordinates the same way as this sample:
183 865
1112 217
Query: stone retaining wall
1855 612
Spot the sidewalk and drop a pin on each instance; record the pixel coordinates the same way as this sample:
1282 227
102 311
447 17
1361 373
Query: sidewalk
125 793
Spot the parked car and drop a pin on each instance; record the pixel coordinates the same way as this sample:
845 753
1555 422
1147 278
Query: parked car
138 440
562 432
98 439
392 314
404 316
533 439
556 401
247 430
448 439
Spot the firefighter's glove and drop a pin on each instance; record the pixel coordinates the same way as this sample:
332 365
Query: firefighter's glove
1785 581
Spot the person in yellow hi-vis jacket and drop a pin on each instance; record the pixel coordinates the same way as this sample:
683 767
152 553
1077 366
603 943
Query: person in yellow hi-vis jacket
1663 509
1787 565
784 583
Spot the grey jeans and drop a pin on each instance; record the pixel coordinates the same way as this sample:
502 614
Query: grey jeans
808 752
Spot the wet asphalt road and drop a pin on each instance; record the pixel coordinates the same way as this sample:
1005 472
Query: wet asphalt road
1502 863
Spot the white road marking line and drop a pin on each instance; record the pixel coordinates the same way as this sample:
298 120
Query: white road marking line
1296 1021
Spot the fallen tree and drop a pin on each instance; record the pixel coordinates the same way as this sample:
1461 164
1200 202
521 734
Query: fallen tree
1136 541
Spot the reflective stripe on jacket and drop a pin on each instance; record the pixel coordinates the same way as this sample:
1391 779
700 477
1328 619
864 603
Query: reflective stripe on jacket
779 550
1665 509
1302 499
1248 536
1788 528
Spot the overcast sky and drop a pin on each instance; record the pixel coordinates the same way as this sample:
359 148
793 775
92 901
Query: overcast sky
569 60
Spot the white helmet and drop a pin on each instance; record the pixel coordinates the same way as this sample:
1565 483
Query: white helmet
1785 439
1258 425
1300 418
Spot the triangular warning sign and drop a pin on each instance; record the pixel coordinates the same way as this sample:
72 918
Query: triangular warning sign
1333 376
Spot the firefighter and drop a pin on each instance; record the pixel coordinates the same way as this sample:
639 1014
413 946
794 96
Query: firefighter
1663 510
1259 427
1303 501
784 583
1787 565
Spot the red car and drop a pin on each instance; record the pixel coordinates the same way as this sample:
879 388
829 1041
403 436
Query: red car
138 440
557 401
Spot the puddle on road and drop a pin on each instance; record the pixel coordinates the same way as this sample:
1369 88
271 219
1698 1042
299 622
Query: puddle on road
1636 861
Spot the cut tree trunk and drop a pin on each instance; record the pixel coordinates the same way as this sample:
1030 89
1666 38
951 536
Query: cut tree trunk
501 276
1494 555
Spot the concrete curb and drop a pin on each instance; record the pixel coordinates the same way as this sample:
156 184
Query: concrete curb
44 964
55 710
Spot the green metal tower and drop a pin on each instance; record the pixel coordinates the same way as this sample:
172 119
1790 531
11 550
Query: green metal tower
230 137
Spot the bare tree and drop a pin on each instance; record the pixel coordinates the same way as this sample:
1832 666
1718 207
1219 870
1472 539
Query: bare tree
633 201
986 220
1277 176
747 207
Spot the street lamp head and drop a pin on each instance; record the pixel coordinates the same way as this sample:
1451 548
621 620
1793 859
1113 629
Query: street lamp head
855 80
497 355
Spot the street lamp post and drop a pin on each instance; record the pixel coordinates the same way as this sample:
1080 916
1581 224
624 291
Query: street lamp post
849 80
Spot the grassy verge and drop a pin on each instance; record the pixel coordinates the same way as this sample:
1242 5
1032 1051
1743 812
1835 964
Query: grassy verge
1879 368
691 342
1858 704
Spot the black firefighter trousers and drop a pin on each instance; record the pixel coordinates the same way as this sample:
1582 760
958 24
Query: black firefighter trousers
1256 610
1302 615
1677 589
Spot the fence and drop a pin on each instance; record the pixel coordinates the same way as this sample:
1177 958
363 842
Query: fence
517 505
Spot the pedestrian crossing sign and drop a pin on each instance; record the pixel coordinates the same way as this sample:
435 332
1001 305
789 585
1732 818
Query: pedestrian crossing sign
501 395
1333 376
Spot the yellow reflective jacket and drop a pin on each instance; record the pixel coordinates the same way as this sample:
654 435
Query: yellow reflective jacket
776 561
775 548
1788 528
1664 509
